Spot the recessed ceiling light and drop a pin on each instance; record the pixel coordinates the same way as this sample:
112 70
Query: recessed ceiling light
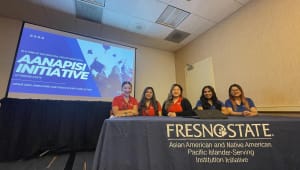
172 16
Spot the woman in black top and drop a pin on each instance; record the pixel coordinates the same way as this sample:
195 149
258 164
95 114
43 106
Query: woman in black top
176 105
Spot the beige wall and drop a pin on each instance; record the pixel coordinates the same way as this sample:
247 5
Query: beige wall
257 47
153 67
9 33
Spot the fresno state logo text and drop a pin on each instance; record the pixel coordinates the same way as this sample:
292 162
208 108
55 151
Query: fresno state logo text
233 130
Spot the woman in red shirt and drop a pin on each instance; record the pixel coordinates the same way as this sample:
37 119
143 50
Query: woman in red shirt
148 105
176 105
124 104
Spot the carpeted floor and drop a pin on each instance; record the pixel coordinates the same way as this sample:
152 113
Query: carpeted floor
68 161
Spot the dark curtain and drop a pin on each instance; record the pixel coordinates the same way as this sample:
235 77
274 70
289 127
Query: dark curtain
29 126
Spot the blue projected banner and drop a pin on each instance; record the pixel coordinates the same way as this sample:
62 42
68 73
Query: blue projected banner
53 64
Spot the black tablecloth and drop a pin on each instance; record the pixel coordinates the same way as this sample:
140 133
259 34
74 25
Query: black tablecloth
162 143
29 127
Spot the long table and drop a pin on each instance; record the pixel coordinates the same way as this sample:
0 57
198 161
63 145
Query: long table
163 143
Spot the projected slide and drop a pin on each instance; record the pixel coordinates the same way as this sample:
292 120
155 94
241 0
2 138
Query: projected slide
55 64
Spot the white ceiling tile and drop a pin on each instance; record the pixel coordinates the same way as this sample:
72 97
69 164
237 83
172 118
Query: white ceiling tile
120 16
115 19
195 24
144 9
138 25
158 31
214 10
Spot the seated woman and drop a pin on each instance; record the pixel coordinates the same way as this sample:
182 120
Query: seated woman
209 100
124 104
176 105
148 105
238 104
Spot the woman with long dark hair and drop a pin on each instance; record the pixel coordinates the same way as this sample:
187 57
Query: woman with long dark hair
176 104
148 105
238 104
209 100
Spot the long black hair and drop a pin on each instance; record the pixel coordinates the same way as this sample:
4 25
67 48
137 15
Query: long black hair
214 99
153 101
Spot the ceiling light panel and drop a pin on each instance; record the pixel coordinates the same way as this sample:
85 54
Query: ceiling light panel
172 16
88 11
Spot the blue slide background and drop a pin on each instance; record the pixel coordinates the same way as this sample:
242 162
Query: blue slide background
107 66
